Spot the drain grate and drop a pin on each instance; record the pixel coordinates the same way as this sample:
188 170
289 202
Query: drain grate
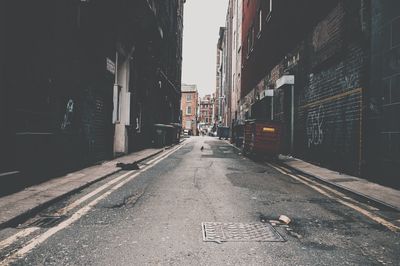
240 232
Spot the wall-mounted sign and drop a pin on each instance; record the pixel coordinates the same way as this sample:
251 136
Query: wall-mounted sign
110 65
269 93
285 80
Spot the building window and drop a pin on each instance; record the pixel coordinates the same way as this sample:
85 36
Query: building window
189 110
188 98
188 124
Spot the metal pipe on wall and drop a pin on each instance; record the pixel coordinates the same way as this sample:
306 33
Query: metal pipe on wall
292 121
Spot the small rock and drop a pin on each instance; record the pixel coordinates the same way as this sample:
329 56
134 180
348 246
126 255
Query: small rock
284 219
295 234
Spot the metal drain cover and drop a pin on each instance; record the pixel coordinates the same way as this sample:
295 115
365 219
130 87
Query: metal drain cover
240 232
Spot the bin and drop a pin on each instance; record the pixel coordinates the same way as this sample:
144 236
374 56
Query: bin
239 135
159 136
262 138
176 132
223 132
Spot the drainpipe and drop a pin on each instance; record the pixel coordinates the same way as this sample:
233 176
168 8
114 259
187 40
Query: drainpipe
272 108
116 69
292 121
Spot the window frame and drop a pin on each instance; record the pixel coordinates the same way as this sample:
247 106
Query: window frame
187 110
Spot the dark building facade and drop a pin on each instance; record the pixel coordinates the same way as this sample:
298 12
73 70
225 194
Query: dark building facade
340 121
383 106
219 93
83 80
157 72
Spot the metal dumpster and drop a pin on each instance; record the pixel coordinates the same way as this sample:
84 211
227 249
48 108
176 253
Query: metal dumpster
176 132
223 132
239 135
262 138
164 135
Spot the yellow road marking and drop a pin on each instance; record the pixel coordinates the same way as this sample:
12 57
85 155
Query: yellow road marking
366 213
23 233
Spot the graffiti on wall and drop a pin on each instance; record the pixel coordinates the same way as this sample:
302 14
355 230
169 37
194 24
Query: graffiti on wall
68 114
315 120
350 81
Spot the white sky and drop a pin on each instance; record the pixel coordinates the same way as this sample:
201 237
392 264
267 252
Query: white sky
202 19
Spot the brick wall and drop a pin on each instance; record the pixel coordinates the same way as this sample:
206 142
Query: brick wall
329 65
331 75
384 95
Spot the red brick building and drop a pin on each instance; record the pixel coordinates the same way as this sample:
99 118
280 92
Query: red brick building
189 102
206 110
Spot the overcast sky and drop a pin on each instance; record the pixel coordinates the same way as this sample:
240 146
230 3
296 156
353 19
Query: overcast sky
202 20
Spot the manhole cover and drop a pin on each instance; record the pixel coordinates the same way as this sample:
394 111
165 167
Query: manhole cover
240 232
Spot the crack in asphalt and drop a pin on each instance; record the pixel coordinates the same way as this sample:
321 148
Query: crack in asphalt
128 200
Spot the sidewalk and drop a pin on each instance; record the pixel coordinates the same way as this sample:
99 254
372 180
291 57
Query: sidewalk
32 199
384 195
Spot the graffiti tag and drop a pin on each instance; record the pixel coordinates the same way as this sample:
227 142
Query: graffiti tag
68 114
315 121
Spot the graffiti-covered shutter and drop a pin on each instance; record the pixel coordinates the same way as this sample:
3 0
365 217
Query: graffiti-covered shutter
97 123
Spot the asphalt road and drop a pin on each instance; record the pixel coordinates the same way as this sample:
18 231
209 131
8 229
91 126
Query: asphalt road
156 218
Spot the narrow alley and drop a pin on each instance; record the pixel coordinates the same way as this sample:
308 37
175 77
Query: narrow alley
200 132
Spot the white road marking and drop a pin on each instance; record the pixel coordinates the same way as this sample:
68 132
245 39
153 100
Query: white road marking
76 203
78 214
23 233
329 189
370 215
366 213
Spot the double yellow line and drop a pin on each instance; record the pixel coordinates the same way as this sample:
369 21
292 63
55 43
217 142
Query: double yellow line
339 197
101 193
